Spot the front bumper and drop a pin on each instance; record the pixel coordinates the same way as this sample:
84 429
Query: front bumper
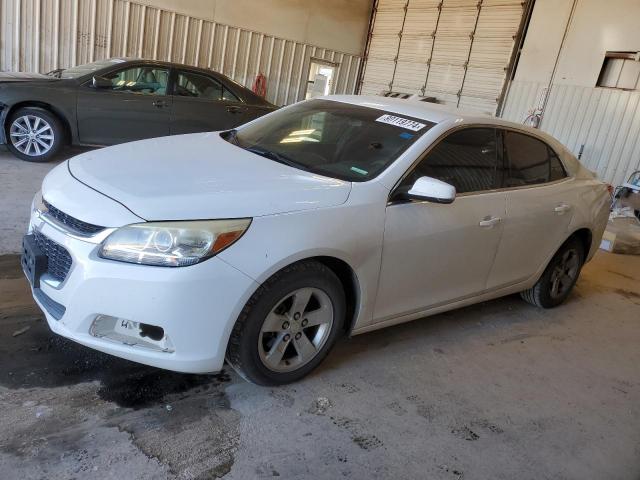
196 306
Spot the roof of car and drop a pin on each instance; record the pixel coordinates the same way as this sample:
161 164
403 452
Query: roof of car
436 113
415 108
116 60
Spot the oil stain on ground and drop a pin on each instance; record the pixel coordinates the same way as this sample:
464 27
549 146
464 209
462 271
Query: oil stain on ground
192 410
40 358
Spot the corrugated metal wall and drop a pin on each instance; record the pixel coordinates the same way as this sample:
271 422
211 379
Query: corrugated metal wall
455 50
605 120
41 35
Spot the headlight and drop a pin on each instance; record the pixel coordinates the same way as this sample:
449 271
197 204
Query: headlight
172 244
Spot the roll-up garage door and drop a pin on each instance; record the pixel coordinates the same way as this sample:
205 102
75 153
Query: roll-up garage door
457 51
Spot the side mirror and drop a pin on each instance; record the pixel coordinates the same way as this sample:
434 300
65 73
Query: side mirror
432 190
101 82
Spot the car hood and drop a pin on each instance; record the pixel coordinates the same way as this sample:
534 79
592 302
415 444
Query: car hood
201 176
24 77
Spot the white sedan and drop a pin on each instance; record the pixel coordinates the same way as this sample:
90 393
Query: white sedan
334 216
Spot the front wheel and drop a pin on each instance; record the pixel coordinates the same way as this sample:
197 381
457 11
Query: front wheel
34 134
559 277
289 325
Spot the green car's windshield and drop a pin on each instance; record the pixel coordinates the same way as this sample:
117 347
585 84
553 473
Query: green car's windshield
331 138
82 70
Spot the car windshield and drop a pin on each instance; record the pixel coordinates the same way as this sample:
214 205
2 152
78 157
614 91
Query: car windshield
82 70
331 138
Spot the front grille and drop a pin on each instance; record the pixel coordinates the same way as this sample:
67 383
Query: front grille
58 259
71 222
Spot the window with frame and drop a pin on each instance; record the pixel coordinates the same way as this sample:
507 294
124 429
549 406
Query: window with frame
620 70
196 85
530 161
466 159
140 80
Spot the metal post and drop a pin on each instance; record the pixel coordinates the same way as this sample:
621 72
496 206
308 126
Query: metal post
466 64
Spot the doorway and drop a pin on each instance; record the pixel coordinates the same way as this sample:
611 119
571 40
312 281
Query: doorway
321 78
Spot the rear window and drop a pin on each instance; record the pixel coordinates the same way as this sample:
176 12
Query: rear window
332 138
531 161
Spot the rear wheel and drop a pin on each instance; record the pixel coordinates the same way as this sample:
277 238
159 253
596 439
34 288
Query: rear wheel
34 134
289 325
559 277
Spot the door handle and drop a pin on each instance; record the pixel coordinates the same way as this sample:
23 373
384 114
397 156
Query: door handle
234 109
159 103
562 208
489 222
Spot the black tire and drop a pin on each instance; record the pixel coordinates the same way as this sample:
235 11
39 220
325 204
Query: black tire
243 350
57 131
542 293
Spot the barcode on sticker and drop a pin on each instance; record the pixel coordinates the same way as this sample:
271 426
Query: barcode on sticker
401 122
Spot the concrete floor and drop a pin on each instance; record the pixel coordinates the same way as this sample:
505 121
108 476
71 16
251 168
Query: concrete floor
19 181
499 390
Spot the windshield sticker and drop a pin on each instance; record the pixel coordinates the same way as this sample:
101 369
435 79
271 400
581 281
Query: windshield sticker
406 135
359 170
401 122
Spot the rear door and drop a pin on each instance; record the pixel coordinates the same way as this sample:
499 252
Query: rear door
434 254
134 107
539 208
201 103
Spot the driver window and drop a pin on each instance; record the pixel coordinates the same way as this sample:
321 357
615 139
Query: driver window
140 80
466 159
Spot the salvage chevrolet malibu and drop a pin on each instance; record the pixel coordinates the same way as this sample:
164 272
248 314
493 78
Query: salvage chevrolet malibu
339 215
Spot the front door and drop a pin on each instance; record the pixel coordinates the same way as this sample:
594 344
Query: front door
539 209
434 254
202 104
134 107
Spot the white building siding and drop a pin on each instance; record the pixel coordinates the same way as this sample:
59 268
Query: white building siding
41 35
604 122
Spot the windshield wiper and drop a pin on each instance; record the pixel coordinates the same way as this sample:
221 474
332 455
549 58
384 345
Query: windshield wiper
56 73
278 157
231 136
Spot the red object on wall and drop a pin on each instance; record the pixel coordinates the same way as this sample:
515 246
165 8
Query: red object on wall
260 85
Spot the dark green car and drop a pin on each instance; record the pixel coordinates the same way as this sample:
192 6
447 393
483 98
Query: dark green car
115 101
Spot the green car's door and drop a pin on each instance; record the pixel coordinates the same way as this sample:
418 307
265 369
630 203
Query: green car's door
201 103
134 106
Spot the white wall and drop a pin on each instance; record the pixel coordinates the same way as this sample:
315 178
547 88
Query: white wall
602 122
597 26
543 40
340 25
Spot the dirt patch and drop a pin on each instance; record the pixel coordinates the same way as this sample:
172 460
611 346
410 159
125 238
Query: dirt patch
359 435
623 275
10 267
465 433
629 295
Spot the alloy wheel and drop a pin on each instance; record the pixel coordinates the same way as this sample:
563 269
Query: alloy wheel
296 329
31 135
565 273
